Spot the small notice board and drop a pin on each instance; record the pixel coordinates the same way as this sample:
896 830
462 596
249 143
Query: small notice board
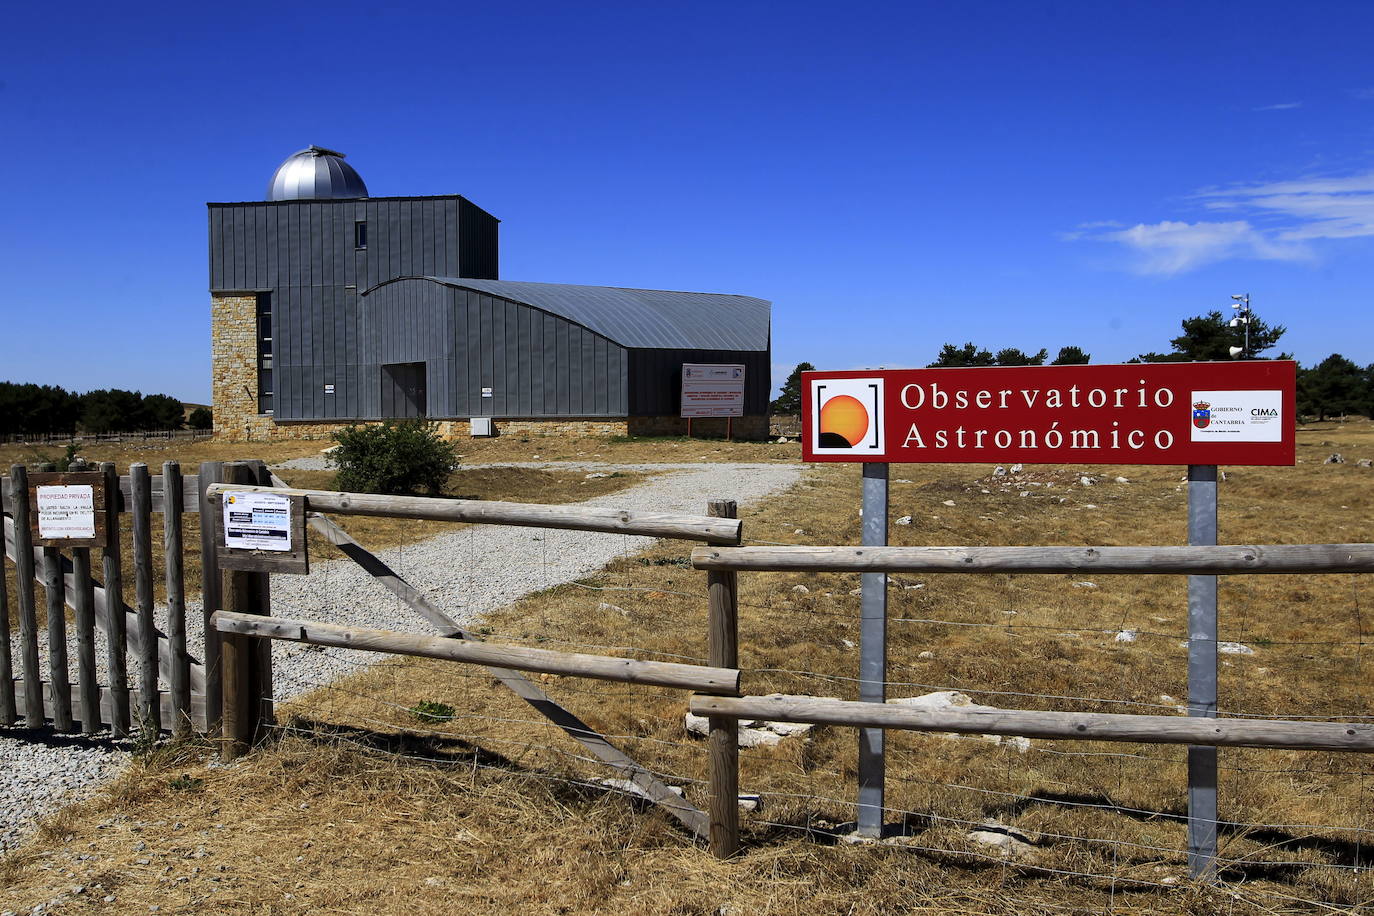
68 509
712 390
262 532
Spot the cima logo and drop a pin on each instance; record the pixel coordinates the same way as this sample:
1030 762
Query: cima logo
847 416
1202 414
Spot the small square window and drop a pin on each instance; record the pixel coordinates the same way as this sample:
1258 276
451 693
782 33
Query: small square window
360 234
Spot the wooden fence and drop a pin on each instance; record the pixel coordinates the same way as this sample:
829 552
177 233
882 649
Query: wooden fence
168 688
244 630
141 435
1146 729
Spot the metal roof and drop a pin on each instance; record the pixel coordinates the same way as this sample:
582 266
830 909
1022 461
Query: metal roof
640 317
315 173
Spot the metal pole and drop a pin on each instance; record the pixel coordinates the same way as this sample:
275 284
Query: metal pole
873 654
1247 325
1202 675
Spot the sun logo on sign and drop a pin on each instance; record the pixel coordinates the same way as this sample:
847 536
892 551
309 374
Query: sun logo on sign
844 421
846 416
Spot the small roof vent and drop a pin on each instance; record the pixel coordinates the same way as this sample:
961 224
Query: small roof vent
315 173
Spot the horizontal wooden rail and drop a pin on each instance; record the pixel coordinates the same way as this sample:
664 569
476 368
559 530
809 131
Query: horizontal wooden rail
1074 726
197 711
190 493
600 667
576 518
1199 561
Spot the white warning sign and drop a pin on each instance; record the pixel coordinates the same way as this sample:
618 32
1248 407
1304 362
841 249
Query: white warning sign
257 521
66 511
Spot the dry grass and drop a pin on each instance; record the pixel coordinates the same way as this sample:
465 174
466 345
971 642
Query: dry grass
360 807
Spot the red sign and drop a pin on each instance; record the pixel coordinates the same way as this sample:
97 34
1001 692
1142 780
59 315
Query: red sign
1238 413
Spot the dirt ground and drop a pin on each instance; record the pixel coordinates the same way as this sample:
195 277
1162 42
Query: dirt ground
418 787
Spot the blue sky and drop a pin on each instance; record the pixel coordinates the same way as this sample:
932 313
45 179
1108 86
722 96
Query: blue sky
892 176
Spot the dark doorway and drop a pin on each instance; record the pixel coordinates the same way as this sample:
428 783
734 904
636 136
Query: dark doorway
404 390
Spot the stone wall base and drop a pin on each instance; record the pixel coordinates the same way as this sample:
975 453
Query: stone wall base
256 428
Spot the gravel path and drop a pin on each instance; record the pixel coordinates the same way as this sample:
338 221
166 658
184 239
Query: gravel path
467 573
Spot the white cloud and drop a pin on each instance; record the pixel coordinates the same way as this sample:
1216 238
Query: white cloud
1309 208
1171 247
1275 221
1281 106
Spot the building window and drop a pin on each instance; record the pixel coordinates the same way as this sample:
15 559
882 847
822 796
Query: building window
265 390
360 234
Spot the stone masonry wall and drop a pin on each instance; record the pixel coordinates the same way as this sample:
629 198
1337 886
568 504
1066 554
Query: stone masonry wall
234 369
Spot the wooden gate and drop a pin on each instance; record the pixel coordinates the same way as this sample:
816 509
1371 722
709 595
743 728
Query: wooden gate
165 687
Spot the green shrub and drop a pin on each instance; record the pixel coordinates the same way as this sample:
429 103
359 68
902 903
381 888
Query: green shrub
397 457
432 711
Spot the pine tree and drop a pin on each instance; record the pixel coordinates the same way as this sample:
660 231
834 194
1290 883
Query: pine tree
789 400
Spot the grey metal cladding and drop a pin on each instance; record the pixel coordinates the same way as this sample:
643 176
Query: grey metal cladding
642 317
657 375
535 363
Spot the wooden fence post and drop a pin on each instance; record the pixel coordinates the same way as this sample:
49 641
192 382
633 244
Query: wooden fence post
8 712
116 631
28 605
211 586
172 508
141 500
244 665
55 590
723 587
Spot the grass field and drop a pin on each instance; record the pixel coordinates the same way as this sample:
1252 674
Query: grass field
360 806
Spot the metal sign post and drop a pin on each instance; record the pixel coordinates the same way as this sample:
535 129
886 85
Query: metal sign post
1202 674
873 653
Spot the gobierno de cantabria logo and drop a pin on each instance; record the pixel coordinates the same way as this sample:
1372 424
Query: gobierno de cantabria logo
847 416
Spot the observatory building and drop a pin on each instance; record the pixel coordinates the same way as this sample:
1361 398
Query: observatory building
331 307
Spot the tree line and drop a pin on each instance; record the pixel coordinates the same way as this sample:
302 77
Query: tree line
1334 387
29 409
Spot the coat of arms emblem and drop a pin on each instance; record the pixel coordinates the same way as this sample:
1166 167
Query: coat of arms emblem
1202 414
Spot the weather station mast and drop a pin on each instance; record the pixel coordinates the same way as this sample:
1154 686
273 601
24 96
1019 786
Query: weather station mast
1241 303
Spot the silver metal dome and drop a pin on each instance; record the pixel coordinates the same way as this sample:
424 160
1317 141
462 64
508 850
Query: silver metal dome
315 173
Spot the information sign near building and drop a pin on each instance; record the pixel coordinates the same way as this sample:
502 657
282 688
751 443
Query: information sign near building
1147 413
712 390
263 532
68 508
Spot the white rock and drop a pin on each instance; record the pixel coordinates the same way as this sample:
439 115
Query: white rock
1234 648
595 474
926 654
908 588
999 471
904 520
800 589
1087 481
750 802
1009 846
629 788
953 699
1126 636
1025 493
948 502
798 531
1085 585
855 592
1122 480
606 606
848 643
1017 468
